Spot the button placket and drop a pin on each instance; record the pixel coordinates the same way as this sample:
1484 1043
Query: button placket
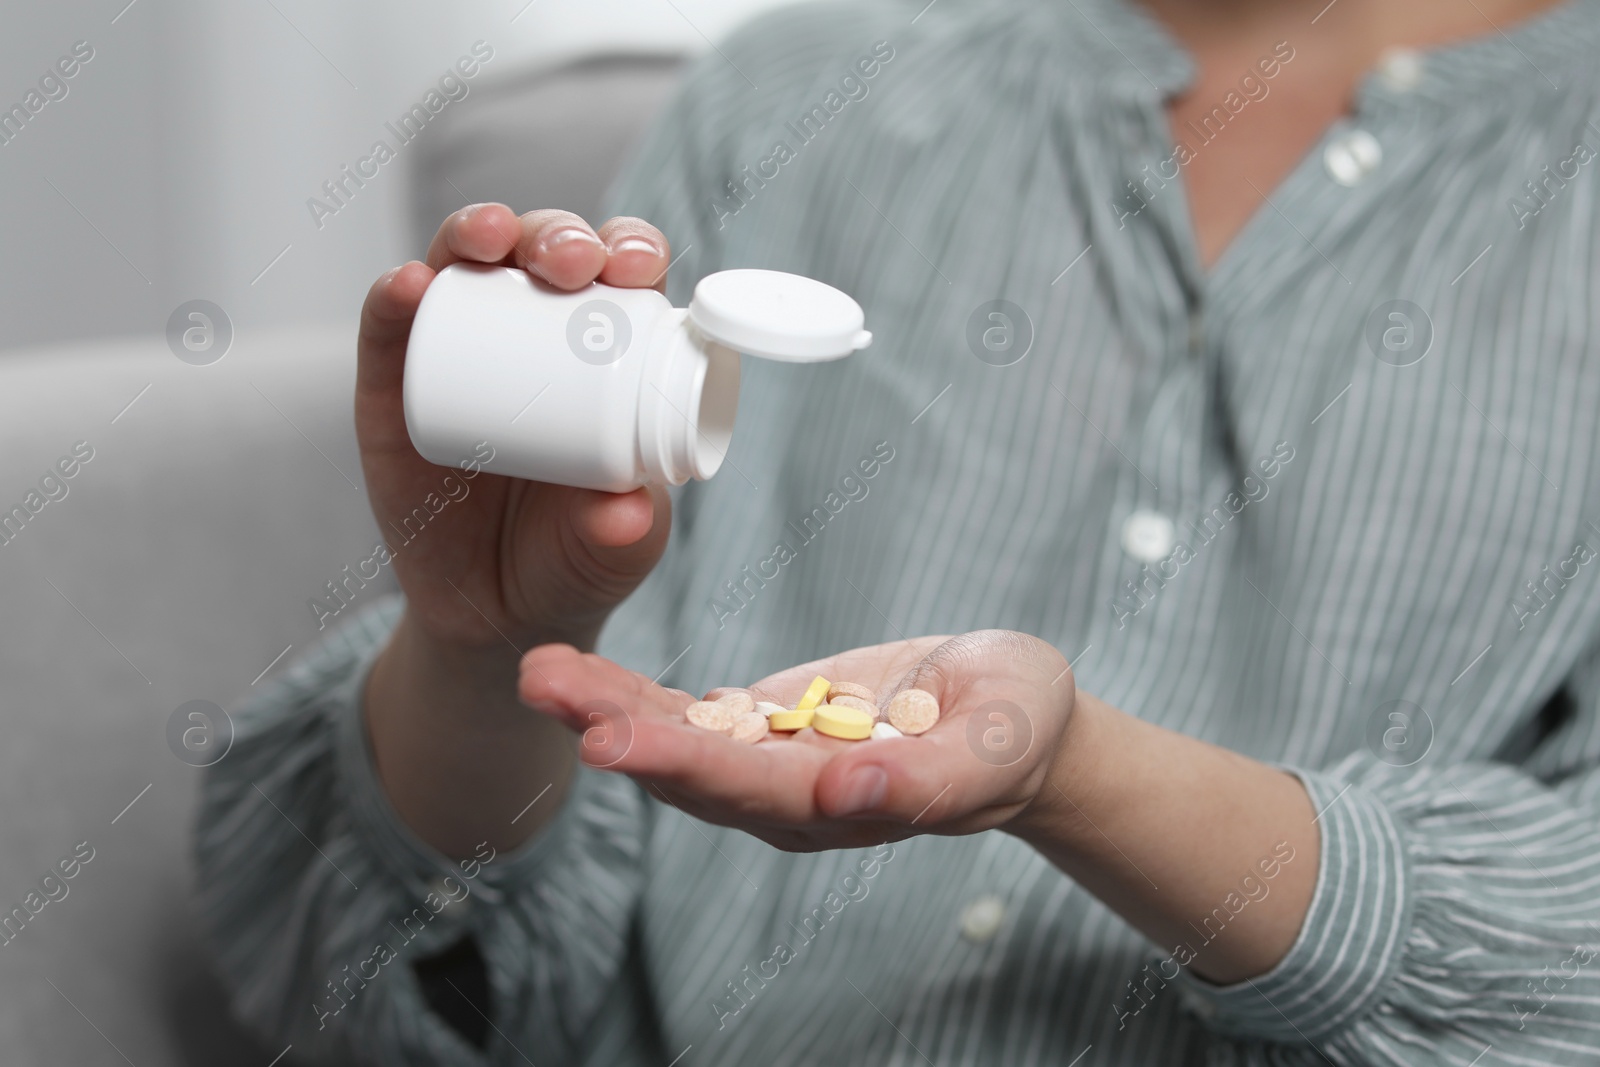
1197 334
1165 412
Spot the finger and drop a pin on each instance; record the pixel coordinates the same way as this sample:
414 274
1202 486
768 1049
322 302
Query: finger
732 783
919 781
615 521
983 681
771 780
610 540
788 835
386 317
385 329
559 679
478 233
637 254
647 680
775 786
560 248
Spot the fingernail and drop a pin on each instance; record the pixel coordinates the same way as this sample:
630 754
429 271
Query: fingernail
565 235
636 244
864 790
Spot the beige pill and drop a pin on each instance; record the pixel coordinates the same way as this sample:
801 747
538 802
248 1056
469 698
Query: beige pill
844 700
738 700
851 689
750 727
712 715
912 711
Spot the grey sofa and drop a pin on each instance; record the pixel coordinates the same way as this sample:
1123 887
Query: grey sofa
175 565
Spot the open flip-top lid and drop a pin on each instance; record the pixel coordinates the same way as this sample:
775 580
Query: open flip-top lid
780 316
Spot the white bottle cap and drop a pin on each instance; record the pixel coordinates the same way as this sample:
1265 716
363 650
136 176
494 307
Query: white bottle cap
780 316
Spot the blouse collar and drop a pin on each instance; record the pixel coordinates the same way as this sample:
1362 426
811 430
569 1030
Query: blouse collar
1545 53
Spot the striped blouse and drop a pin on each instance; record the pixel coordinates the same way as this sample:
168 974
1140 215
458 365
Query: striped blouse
1328 503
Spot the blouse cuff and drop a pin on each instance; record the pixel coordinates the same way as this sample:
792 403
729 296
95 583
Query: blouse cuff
1351 942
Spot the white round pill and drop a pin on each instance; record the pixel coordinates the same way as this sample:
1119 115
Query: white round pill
882 730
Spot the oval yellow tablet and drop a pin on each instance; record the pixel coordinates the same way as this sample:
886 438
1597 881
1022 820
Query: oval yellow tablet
843 721
790 720
815 694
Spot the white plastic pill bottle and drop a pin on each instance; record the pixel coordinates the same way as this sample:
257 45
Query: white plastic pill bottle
603 388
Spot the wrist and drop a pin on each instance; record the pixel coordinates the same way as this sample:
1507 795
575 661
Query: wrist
465 638
455 750
466 682
1161 827
1081 775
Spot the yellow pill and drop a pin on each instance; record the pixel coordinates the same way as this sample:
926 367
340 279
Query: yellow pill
843 721
790 720
816 693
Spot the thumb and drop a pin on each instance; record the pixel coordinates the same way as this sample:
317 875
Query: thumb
621 534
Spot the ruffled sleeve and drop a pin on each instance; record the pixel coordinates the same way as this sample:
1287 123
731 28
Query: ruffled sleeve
317 899
1455 919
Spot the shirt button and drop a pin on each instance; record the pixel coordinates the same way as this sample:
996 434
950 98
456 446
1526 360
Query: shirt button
1401 69
981 919
1352 156
1148 536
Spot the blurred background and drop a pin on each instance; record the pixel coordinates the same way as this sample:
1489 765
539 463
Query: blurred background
214 488
179 162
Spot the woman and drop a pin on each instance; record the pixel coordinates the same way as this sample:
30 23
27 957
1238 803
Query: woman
1231 399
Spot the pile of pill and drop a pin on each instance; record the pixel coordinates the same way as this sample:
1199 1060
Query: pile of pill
843 710
733 714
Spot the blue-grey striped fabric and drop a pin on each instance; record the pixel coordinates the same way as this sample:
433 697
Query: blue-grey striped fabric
1370 428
